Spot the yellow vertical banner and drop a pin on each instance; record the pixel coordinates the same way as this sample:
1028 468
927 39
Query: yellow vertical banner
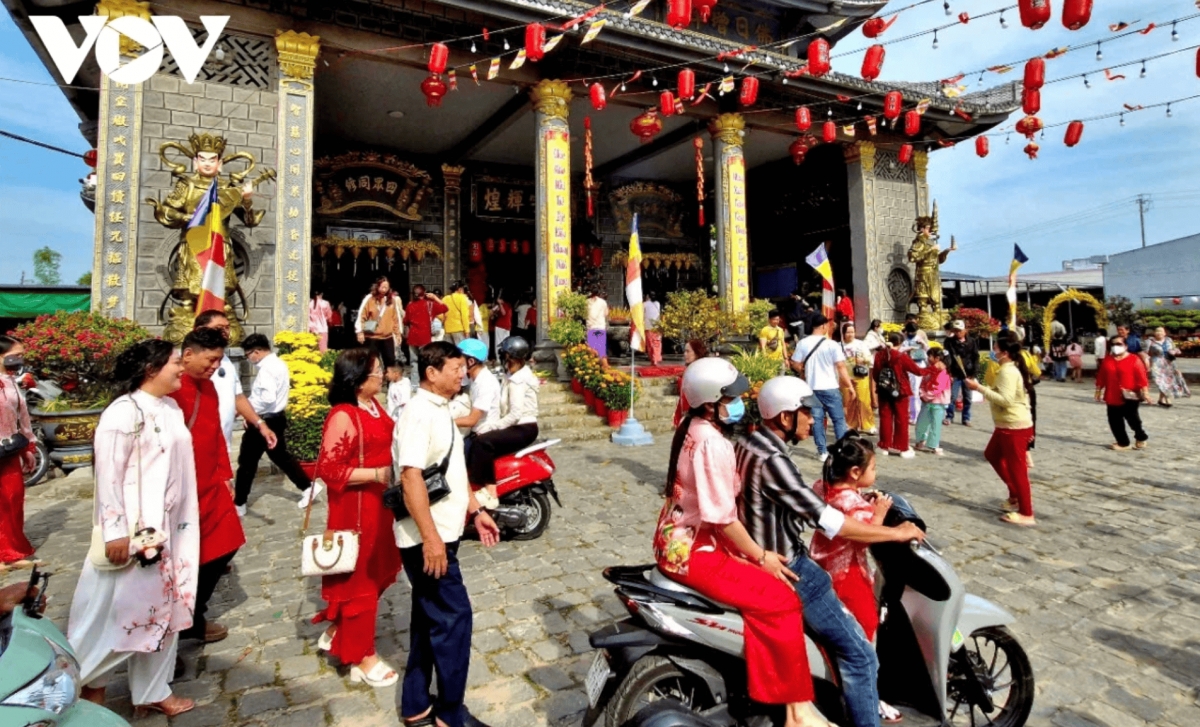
736 245
556 148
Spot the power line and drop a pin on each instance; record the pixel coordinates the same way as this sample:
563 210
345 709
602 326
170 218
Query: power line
44 145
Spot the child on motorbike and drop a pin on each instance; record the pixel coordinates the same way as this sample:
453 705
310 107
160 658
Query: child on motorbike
849 473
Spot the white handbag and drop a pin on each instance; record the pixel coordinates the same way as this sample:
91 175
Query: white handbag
333 552
140 536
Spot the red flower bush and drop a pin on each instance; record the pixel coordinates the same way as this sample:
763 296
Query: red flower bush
979 323
77 351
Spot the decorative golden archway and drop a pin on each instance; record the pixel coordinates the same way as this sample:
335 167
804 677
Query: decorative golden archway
1074 296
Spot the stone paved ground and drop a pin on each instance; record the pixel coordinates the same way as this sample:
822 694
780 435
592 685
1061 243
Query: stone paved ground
1106 590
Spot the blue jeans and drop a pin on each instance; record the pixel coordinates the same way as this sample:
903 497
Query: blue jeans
836 630
1060 370
957 387
831 400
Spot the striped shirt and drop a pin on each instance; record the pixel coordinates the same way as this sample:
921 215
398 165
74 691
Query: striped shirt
775 502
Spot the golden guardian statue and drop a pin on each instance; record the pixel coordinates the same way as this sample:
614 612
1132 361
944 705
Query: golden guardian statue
926 255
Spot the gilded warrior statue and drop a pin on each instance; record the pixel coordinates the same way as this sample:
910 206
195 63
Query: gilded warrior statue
235 194
926 255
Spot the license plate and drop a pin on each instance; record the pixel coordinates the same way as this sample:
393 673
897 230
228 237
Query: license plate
597 677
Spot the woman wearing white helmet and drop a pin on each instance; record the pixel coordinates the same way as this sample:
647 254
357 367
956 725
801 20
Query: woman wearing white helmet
700 543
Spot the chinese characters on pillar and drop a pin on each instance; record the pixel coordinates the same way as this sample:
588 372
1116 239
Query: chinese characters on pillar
116 198
293 205
556 230
736 248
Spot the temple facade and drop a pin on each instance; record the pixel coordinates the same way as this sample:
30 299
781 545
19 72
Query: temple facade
339 171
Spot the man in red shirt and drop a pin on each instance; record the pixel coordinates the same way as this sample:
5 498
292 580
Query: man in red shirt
502 317
220 527
1122 384
418 316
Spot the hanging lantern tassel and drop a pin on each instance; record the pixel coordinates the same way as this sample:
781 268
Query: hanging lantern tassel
588 184
981 146
438 55
873 62
906 153
1074 133
1032 149
749 91
535 42
698 143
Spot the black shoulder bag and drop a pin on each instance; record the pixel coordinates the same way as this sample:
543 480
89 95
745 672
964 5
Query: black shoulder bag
435 484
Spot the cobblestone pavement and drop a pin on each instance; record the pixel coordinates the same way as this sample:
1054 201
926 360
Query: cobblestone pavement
1106 590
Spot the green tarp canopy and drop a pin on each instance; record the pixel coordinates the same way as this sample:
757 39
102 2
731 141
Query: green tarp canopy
33 302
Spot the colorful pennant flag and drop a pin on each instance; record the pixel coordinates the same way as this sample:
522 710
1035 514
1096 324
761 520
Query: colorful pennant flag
493 69
637 8
205 236
592 31
871 125
552 43
633 291
818 260
1019 259
518 61
474 74
923 105
453 80
726 85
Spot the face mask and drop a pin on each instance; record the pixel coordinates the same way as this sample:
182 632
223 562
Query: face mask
14 362
993 356
1117 351
734 411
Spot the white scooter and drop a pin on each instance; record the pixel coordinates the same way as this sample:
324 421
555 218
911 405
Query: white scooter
941 650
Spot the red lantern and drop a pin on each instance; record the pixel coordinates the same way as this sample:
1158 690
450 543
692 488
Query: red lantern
1034 13
666 103
438 55
503 247
686 84
580 251
1076 13
1032 101
874 27
906 153
89 158
513 247
1032 149
526 247
434 89
599 100
982 146
749 92
1177 301
829 132
646 125
1198 61
873 62
679 13
704 8
491 245
535 42
803 118
893 102
1035 74
1074 133
597 256
1029 126
476 254
798 149
912 123
818 57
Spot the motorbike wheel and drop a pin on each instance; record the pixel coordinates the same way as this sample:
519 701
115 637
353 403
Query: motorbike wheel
652 679
41 464
537 515
1001 667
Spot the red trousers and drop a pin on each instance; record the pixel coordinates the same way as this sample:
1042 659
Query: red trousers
776 658
14 545
355 621
858 596
1007 452
893 423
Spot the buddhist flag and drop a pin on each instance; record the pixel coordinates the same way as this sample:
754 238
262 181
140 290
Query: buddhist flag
633 292
1019 259
592 31
205 235
819 261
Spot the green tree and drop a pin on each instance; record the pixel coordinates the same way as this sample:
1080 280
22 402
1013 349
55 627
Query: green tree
85 279
46 266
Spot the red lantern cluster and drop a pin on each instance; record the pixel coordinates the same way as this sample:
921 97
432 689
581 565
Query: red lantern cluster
535 42
679 13
893 102
798 149
491 245
829 132
434 89
906 153
439 54
704 8
818 57
1074 133
1035 74
749 91
1031 101
475 254
1076 13
686 84
1034 13
982 146
596 92
1029 126
666 103
503 246
526 247
803 118
873 62
912 122
645 126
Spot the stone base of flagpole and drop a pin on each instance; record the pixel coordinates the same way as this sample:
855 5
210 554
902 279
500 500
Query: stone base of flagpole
632 434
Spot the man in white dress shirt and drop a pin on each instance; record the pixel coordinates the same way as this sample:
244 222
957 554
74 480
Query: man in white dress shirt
268 398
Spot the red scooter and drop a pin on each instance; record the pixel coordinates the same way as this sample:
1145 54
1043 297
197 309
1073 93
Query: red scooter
524 488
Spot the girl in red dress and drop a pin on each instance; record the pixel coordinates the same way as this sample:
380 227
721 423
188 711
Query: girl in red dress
14 418
356 463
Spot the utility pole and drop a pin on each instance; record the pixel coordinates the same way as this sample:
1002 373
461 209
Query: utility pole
1144 204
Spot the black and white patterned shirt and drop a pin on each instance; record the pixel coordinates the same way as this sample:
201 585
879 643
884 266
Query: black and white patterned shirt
776 504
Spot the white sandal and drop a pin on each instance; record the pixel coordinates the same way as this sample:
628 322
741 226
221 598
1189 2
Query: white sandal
325 642
381 675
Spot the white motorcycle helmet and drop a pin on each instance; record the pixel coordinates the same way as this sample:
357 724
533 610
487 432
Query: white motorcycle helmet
709 380
784 393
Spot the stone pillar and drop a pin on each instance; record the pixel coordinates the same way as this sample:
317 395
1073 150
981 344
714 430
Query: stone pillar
733 256
293 245
451 219
552 177
118 160
865 260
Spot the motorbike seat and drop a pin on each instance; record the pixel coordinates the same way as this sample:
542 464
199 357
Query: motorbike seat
536 447
659 579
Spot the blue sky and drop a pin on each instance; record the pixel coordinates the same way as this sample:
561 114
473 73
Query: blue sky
982 201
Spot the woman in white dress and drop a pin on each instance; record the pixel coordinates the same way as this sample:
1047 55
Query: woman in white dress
125 611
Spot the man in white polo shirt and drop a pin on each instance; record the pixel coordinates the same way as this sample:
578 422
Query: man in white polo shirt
822 363
440 630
